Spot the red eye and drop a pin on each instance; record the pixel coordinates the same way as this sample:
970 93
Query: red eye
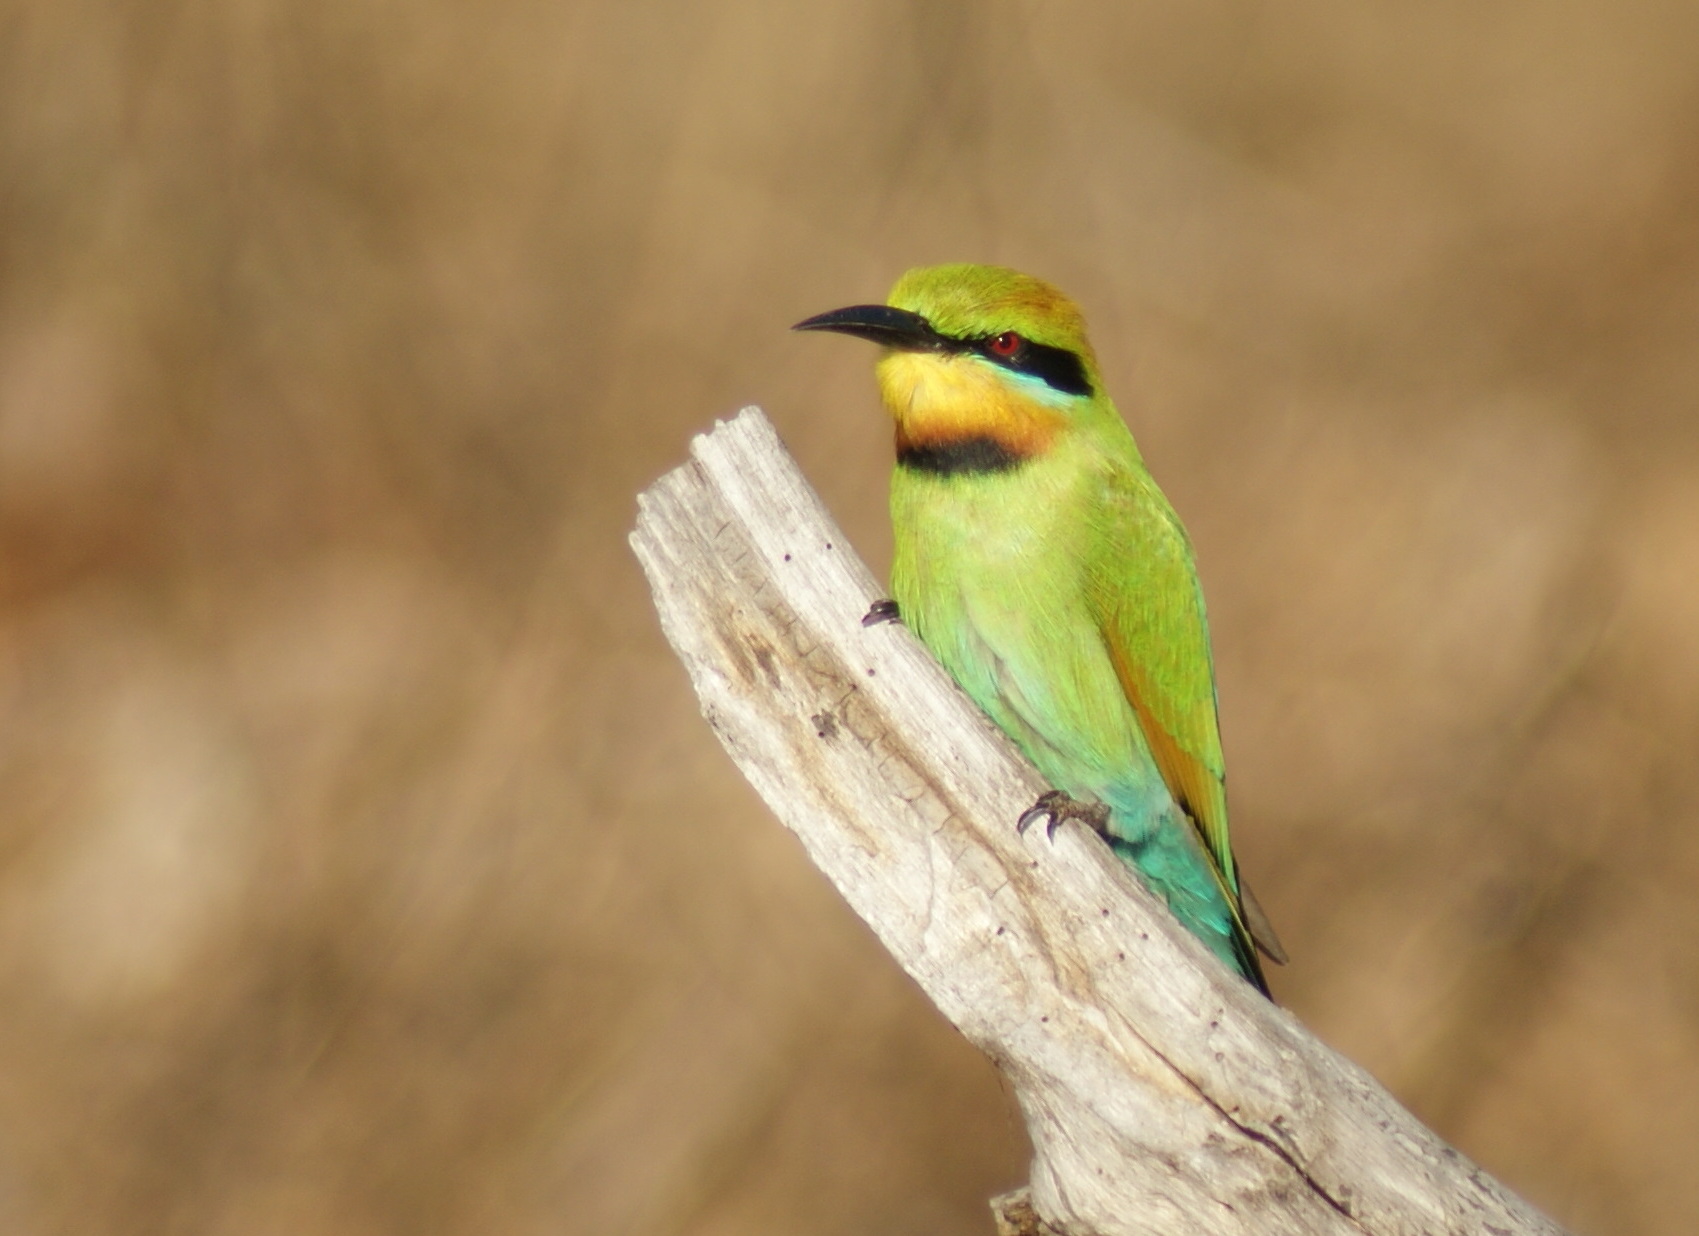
1006 344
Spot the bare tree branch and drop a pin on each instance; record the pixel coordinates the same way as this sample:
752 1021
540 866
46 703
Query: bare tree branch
1162 1094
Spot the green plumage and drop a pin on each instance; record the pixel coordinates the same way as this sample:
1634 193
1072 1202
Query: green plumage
1038 560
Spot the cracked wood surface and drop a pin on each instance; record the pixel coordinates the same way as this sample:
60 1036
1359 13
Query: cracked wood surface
1161 1093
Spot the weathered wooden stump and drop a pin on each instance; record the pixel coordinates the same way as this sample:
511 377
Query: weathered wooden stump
1162 1094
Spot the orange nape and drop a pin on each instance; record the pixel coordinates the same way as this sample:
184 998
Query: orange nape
940 398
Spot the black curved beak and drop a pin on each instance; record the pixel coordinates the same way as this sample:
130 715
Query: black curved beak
894 328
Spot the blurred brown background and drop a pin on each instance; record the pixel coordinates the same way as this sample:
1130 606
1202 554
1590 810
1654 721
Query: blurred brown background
364 865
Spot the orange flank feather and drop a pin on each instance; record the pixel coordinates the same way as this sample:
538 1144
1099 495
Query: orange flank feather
1198 789
1195 787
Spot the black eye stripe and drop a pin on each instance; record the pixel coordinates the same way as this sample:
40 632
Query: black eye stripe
1057 368
905 330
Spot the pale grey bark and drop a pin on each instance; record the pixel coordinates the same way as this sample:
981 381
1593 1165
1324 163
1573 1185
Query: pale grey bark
1162 1093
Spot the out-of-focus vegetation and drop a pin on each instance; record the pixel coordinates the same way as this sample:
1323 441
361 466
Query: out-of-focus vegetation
364 866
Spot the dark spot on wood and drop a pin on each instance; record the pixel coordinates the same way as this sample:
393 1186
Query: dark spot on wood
1018 1218
787 557
764 658
825 725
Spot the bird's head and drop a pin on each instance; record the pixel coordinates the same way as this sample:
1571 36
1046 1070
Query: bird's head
979 355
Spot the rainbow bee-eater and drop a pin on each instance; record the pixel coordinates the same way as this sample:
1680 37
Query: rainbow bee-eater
1037 559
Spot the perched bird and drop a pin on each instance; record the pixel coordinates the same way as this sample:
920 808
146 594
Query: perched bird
1039 562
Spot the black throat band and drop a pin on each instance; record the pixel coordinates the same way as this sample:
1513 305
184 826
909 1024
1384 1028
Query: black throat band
958 457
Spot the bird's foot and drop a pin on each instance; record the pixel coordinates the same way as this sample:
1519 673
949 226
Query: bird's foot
1058 808
881 611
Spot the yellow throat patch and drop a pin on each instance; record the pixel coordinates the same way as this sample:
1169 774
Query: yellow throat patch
937 399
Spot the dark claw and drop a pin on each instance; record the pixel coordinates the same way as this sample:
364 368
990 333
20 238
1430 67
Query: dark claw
1049 804
881 611
1060 808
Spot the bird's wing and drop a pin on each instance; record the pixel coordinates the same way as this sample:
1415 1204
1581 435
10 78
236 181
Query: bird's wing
1149 609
